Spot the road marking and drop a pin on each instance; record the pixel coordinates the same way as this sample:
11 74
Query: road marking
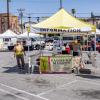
2 90
57 88
89 82
31 94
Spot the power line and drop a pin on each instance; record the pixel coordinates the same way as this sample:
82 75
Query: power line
96 13
36 1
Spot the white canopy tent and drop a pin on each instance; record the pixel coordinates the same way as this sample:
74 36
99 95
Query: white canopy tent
8 34
97 32
8 38
25 35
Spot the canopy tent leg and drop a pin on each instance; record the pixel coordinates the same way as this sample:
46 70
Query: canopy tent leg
87 41
95 42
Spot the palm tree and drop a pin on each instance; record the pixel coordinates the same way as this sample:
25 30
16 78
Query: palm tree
93 17
73 11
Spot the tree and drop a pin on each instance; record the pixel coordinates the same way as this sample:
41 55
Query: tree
93 17
73 11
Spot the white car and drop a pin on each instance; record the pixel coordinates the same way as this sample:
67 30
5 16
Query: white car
48 46
57 50
37 43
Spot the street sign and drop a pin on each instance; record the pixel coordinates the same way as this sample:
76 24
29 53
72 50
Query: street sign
28 29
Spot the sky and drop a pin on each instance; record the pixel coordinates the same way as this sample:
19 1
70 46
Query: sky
41 8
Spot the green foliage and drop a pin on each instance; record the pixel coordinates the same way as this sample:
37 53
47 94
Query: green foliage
73 11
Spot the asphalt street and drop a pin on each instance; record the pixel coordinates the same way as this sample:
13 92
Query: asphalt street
24 86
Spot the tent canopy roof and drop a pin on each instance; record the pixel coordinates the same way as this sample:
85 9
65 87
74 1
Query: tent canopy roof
8 34
25 35
97 32
63 20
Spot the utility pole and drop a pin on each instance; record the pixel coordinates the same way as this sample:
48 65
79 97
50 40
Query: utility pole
29 29
8 14
60 4
21 17
29 19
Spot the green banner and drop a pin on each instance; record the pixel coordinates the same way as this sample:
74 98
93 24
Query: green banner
60 63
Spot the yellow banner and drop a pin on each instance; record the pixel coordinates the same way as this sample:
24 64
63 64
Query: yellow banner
44 64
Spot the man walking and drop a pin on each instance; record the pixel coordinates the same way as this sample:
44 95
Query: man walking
19 54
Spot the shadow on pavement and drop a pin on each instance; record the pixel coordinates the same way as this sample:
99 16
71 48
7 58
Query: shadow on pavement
89 76
16 70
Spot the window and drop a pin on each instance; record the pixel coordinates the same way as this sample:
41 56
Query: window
33 40
67 38
7 39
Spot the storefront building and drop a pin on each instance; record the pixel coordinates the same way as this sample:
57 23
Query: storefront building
13 23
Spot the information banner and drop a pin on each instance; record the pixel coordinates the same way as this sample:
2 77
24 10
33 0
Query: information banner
61 63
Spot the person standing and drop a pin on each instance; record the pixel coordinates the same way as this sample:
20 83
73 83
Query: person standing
64 49
67 49
99 48
93 44
76 48
19 54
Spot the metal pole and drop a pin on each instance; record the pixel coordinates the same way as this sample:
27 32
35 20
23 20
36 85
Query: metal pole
21 16
41 53
28 54
8 14
95 42
95 51
21 22
87 41
29 44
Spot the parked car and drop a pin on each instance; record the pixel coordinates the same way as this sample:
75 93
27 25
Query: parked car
57 50
38 43
67 39
48 46
49 39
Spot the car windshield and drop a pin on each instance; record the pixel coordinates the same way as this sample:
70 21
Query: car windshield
56 38
32 39
67 38
39 38
49 40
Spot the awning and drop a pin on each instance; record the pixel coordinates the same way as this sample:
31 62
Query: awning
63 20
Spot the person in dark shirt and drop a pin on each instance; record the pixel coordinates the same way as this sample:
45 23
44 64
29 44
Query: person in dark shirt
93 44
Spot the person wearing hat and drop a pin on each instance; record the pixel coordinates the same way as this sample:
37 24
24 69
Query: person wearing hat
19 54
76 48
